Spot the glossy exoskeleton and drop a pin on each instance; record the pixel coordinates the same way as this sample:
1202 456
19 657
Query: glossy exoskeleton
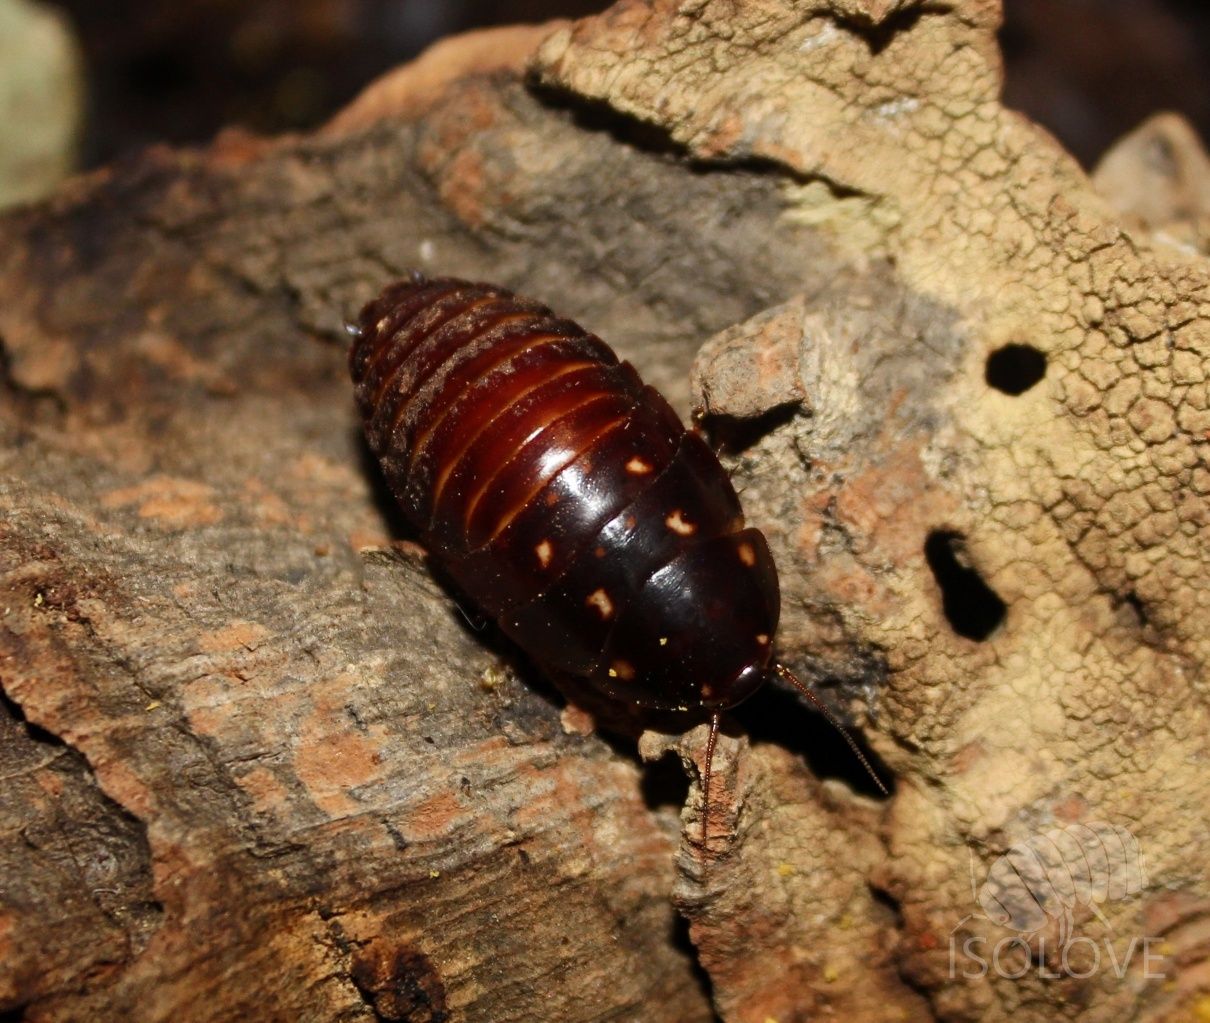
565 497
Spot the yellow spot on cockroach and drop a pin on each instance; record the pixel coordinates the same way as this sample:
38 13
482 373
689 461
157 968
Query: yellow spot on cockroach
39 599
746 554
434 873
152 705
621 669
677 524
830 973
762 638
382 324
663 641
600 600
636 466
785 870
545 552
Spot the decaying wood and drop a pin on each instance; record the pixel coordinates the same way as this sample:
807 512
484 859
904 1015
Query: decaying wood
255 765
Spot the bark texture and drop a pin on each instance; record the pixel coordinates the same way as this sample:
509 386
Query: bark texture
255 765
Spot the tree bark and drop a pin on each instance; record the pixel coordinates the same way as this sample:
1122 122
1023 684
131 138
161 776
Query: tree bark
257 766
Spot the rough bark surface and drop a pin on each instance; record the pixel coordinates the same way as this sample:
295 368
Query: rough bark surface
256 766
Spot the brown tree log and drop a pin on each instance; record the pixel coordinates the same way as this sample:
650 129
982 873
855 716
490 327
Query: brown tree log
255 765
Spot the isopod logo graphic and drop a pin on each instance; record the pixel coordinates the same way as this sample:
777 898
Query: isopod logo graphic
1052 873
1045 879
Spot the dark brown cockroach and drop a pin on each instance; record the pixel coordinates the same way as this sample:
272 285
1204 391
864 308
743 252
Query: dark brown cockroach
566 498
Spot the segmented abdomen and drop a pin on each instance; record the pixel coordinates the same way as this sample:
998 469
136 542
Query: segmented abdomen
558 491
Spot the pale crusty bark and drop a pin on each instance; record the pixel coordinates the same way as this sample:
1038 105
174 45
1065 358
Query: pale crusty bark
1158 177
1082 502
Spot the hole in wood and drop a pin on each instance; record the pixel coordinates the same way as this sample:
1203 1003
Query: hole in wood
972 608
1014 369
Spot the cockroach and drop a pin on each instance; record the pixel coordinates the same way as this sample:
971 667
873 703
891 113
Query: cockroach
567 500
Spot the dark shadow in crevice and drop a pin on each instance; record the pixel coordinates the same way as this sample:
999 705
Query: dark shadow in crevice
15 1015
38 734
1132 601
881 897
683 943
767 167
1015 368
973 609
664 784
597 116
30 399
732 435
887 902
6 369
380 491
879 35
779 716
